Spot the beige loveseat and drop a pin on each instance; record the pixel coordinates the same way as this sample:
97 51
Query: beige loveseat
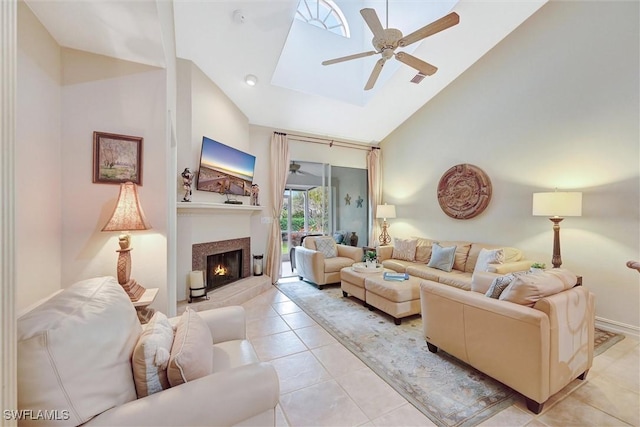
75 361
464 263
536 337
322 266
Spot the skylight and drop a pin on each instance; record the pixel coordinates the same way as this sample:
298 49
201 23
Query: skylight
323 14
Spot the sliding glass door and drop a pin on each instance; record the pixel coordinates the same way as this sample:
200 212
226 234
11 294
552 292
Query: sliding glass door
321 199
306 209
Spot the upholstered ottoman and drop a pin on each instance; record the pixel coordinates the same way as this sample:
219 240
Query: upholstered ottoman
352 281
398 299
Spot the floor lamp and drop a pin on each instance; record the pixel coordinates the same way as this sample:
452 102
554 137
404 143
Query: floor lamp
385 211
557 205
127 216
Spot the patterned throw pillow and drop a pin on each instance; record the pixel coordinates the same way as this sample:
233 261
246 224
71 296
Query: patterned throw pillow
404 249
442 258
327 246
498 285
151 356
488 256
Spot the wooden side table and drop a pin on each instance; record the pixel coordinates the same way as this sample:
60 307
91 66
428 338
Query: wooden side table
142 305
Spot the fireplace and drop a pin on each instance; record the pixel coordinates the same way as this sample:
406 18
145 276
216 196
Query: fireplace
223 268
223 261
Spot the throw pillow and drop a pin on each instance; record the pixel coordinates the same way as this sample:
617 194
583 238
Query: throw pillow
498 285
442 258
512 254
488 256
462 253
192 350
151 356
404 249
423 250
327 246
527 289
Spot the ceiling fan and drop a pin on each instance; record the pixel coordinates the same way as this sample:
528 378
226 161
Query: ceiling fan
386 40
294 169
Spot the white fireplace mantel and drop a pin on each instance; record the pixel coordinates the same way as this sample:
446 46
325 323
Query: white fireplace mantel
211 208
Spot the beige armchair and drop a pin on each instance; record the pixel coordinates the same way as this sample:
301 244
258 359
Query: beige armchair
316 267
535 350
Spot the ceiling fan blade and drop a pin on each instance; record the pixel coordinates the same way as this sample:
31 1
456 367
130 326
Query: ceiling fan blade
371 18
374 74
424 67
348 58
428 30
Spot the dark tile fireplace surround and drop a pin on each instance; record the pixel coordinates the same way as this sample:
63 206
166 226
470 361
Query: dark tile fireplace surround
233 255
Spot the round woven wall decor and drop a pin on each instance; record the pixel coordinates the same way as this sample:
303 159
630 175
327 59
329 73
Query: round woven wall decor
464 191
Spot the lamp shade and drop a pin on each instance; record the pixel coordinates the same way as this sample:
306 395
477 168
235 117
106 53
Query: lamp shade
386 211
128 214
557 203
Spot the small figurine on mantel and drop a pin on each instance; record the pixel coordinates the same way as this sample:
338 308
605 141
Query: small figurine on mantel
187 179
634 265
255 190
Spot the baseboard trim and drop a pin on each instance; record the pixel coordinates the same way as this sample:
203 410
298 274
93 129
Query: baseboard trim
619 327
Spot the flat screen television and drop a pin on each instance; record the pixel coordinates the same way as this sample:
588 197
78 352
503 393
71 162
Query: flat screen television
224 169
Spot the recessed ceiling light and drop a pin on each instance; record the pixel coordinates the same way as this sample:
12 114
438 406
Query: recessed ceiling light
251 80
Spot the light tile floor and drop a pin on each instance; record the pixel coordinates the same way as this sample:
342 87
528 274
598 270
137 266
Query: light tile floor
324 384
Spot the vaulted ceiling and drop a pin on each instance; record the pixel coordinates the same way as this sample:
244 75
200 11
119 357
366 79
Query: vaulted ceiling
229 39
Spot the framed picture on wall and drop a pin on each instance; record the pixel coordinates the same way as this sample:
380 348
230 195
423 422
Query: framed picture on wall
117 158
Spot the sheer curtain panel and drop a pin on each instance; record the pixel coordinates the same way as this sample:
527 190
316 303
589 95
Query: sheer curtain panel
375 193
279 173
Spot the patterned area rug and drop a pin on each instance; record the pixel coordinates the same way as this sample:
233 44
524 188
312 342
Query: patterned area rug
448 391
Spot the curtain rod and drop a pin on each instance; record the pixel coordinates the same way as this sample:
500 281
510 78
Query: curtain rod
329 142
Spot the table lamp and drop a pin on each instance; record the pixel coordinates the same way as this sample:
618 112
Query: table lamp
127 216
385 211
556 205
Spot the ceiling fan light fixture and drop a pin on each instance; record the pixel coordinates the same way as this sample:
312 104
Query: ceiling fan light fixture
251 80
418 78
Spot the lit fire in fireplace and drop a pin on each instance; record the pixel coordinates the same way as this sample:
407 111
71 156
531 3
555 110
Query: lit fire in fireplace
220 270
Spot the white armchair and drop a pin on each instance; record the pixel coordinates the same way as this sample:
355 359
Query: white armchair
74 355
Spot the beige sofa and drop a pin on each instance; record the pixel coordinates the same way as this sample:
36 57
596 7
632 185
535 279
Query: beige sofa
317 267
536 345
75 361
466 256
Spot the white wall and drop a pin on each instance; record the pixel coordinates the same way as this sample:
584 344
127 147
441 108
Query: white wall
38 161
109 95
260 139
555 104
204 110
352 182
